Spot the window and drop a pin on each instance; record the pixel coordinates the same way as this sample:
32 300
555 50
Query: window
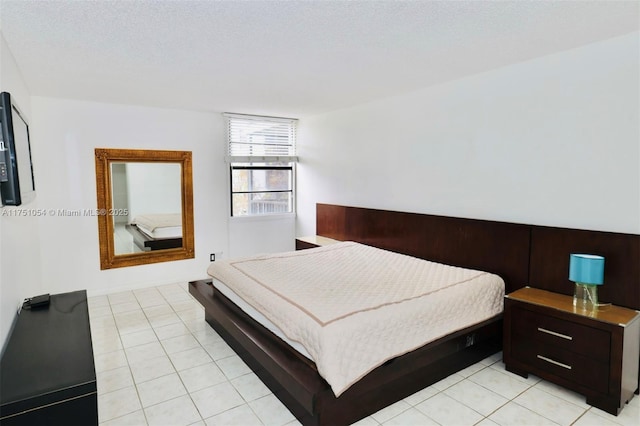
261 163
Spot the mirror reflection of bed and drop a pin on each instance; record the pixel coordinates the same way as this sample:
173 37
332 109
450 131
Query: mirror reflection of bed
147 206
156 231
131 183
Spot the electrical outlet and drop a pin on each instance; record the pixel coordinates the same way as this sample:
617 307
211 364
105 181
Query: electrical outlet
213 256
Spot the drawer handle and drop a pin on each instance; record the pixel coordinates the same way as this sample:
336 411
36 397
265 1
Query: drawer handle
544 358
553 333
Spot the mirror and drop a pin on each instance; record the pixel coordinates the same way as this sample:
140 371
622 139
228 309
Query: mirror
145 206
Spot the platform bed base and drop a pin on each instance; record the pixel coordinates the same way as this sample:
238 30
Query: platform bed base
296 382
146 243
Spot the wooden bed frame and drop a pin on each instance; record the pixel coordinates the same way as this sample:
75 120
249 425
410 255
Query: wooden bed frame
147 243
520 254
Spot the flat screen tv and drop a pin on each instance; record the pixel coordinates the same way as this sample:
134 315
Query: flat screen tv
17 184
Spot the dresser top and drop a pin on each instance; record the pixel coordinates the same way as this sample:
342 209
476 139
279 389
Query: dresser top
609 313
49 352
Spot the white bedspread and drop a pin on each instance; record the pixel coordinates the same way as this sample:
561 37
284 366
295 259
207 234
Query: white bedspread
159 225
353 307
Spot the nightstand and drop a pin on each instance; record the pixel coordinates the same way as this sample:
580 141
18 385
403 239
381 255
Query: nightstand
592 353
314 241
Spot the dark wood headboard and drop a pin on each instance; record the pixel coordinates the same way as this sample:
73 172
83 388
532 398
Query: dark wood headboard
521 254
549 264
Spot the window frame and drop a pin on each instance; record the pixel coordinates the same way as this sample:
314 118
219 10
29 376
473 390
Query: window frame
243 166
262 162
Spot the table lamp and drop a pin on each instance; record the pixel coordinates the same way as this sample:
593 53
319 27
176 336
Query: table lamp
587 271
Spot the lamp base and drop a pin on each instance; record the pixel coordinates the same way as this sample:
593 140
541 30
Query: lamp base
585 297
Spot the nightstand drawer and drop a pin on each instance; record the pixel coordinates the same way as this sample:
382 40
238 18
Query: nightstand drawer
567 335
575 367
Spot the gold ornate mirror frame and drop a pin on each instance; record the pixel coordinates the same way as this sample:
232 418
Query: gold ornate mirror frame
104 158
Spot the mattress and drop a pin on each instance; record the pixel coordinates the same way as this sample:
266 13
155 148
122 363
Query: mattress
160 226
353 307
258 317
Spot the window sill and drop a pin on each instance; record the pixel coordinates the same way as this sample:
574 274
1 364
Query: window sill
263 217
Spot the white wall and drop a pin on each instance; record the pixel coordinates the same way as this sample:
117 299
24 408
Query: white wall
552 141
154 188
67 133
257 235
532 142
120 192
20 270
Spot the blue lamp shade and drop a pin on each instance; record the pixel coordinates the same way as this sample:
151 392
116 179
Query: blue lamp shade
586 269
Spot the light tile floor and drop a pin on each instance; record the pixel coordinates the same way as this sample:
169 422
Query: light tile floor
159 363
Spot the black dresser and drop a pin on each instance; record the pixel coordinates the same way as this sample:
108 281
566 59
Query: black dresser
47 373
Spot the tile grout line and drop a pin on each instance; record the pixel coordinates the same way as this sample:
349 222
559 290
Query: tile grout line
174 367
135 384
128 366
177 372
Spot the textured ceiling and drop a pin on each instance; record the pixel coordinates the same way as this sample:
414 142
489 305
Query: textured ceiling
288 58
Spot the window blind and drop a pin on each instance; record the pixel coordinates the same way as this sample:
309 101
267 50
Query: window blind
265 139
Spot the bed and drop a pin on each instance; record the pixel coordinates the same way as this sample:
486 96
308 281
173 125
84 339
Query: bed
156 231
510 251
353 307
294 378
